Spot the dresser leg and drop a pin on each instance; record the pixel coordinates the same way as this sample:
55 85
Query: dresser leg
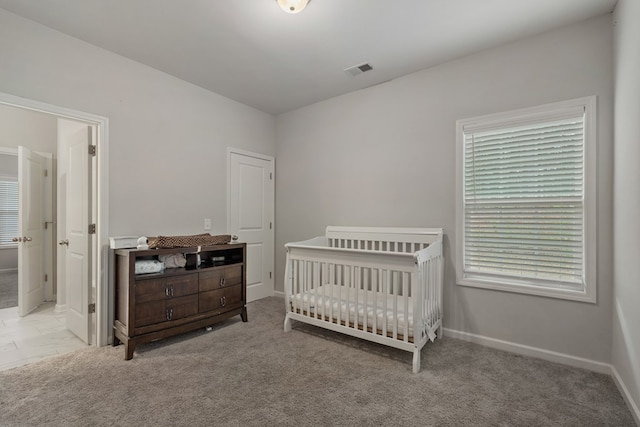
243 315
129 347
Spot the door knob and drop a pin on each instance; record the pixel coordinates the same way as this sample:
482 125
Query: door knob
17 239
63 242
27 239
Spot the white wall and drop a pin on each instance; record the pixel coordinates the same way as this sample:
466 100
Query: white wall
626 297
33 130
167 138
386 156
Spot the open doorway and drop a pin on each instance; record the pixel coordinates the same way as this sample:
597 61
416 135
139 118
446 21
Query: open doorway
54 122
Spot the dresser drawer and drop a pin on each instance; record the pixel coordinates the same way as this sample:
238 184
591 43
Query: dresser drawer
221 300
166 310
220 277
166 287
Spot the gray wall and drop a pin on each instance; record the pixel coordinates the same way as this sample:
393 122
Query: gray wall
167 138
36 131
626 297
386 156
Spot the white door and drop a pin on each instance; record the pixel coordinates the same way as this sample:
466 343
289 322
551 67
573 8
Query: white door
250 202
31 221
77 238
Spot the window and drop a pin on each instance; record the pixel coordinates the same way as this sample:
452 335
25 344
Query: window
8 212
526 201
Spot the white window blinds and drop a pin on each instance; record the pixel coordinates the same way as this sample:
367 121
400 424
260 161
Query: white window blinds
523 201
8 212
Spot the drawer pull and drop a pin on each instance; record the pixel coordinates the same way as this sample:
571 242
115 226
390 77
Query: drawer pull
223 301
222 281
169 313
168 291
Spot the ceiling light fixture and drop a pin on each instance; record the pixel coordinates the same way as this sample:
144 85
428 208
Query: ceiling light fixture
293 6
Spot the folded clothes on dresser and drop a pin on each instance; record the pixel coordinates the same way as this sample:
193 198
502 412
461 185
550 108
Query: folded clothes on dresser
146 266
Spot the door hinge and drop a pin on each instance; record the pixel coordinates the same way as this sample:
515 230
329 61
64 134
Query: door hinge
270 225
46 277
271 175
92 150
92 307
269 275
46 172
92 229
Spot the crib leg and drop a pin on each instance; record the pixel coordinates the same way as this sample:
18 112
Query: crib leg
416 360
439 331
287 323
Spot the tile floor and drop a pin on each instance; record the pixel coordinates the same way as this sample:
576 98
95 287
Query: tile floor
35 337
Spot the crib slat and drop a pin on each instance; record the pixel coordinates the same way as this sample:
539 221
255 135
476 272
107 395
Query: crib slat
339 279
365 293
323 281
316 284
405 297
375 302
356 288
394 289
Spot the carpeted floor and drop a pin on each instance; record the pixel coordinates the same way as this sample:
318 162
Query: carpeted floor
254 374
8 289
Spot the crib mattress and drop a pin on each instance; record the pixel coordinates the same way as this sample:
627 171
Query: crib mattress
336 299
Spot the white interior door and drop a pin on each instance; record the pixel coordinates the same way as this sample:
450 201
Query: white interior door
78 238
250 196
31 221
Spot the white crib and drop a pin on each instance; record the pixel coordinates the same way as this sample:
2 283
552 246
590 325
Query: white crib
378 284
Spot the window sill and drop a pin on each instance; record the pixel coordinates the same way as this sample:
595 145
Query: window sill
499 284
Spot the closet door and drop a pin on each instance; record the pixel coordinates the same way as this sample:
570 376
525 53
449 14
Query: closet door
250 197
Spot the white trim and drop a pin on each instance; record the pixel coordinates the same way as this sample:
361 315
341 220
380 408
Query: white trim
8 270
249 154
279 294
626 395
104 299
525 350
9 150
587 293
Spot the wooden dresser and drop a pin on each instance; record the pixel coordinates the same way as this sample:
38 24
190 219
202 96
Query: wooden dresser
177 300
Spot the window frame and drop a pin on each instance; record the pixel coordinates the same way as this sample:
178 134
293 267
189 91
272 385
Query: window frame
587 292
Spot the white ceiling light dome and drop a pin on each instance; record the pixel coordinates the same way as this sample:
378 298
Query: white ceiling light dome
293 6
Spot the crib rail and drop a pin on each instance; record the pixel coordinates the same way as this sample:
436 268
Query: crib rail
385 287
355 295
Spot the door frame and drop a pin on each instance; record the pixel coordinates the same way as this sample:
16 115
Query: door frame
230 151
104 293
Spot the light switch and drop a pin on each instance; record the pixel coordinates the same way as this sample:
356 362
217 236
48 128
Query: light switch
207 223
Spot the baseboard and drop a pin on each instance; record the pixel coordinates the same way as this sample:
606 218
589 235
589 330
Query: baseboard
279 294
633 407
525 350
8 270
60 308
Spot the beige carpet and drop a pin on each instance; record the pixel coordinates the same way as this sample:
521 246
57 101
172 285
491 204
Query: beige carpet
254 374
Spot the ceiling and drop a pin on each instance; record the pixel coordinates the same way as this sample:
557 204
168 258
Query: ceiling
254 53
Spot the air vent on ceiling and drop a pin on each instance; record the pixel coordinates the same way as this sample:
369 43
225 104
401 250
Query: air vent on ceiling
358 69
